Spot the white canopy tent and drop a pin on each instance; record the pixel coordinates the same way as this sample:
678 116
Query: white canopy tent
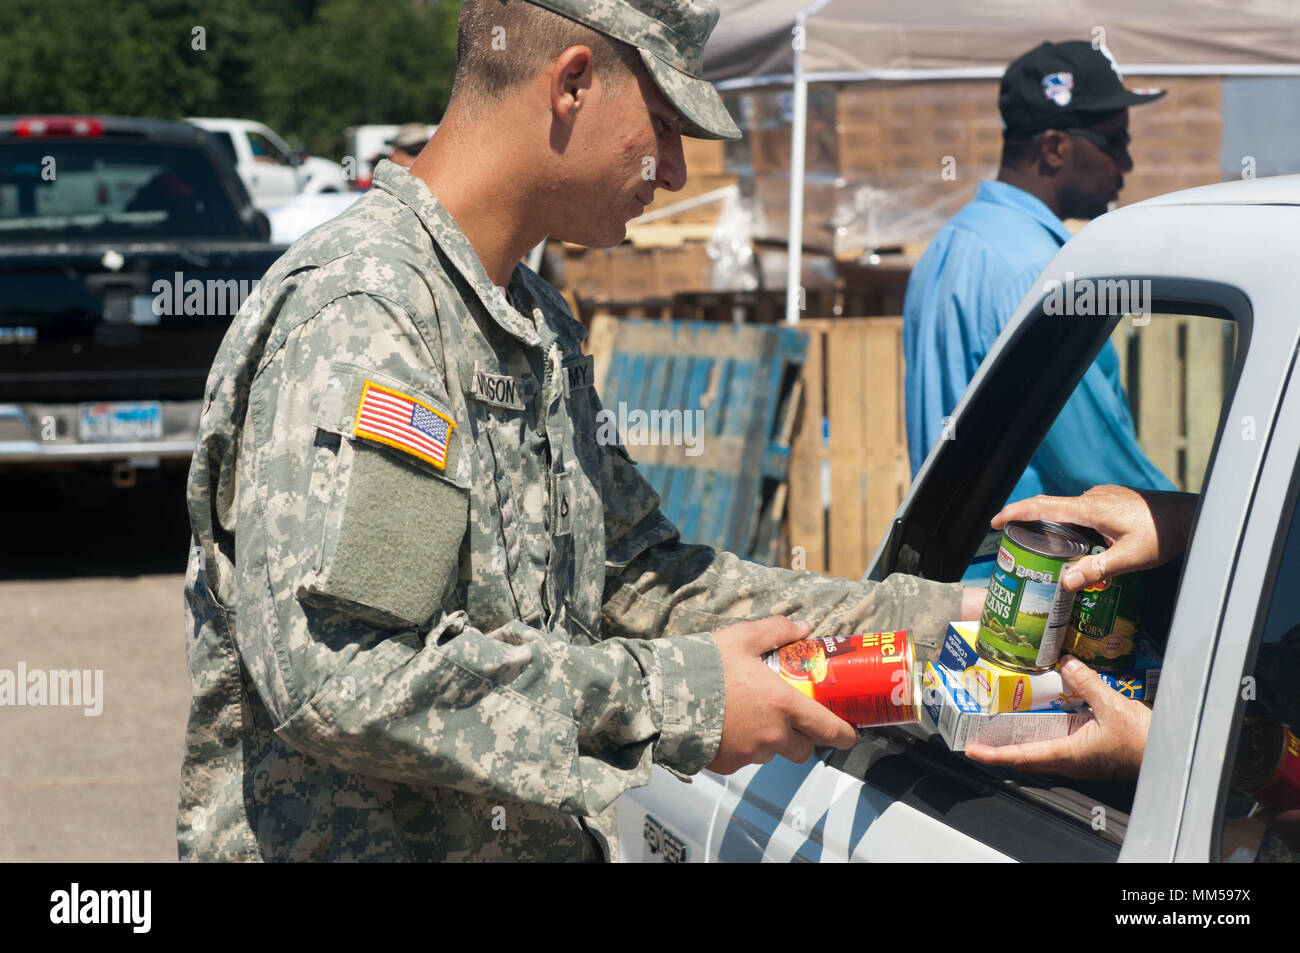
794 43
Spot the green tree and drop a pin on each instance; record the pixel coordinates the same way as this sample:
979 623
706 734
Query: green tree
361 62
307 68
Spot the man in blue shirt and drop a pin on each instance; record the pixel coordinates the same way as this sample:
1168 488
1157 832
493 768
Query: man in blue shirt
1065 116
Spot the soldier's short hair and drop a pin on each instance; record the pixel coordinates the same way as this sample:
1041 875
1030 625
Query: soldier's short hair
500 44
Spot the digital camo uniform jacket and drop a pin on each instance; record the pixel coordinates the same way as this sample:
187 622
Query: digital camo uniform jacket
424 605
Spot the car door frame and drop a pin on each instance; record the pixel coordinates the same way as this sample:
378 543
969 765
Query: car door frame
1191 253
1254 578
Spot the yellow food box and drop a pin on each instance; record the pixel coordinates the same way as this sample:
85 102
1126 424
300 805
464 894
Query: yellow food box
995 688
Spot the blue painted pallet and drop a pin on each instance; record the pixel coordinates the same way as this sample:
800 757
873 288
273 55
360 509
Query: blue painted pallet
704 408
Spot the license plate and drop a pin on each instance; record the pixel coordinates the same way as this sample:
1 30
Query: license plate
142 310
121 422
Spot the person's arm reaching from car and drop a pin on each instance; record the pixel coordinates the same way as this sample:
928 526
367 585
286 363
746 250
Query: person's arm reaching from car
1142 528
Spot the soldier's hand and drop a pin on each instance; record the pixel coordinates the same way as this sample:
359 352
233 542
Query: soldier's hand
1109 746
765 716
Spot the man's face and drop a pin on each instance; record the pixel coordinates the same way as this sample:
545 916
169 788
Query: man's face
402 157
625 144
1094 173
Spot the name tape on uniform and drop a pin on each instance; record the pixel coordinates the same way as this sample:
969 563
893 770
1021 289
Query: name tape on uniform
499 389
579 374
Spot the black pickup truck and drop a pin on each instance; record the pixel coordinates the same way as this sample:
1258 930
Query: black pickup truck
126 247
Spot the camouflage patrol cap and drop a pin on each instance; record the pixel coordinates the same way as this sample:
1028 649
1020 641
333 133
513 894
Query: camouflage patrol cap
670 36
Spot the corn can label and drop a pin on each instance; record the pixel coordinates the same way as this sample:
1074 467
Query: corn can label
1104 620
868 679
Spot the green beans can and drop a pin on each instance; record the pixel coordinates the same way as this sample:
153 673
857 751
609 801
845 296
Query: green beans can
1026 610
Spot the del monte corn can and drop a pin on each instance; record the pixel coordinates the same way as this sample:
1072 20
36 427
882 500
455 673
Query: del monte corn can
1104 622
1026 610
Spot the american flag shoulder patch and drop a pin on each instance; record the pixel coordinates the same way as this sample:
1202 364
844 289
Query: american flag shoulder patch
404 422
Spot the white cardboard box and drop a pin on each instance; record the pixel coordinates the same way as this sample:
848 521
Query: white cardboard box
950 711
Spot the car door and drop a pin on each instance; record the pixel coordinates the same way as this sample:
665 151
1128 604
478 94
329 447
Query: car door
1255 667
1255 676
1215 277
269 169
1223 263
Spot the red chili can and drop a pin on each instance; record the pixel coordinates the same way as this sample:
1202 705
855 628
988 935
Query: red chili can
867 679
1268 763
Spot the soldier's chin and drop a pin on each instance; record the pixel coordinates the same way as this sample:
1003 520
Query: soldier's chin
592 237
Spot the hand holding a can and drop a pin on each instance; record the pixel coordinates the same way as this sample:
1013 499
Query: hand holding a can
1142 528
764 716
1109 746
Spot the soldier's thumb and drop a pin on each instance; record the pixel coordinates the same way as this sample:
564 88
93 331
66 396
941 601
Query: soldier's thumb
775 631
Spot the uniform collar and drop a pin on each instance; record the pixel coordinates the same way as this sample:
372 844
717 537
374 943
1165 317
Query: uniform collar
412 192
1009 196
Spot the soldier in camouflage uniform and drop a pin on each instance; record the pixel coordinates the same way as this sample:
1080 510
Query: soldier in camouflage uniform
429 616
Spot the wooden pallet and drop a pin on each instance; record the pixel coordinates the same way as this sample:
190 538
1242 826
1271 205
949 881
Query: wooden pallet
844 423
848 462
743 379
1175 370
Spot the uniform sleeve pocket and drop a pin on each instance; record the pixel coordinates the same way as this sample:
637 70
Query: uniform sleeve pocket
394 519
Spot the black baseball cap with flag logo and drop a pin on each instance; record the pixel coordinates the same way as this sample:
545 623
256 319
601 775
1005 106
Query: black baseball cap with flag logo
670 36
1059 85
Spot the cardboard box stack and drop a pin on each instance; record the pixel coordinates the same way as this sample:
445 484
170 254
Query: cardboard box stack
887 164
969 700
626 273
1176 139
911 155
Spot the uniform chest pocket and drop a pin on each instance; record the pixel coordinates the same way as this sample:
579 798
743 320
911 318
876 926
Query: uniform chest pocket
396 491
512 496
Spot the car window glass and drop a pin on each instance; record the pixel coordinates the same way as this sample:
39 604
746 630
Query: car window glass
1261 809
227 146
1146 414
1168 372
264 150
106 188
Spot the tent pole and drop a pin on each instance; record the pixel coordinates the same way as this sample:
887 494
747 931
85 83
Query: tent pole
794 246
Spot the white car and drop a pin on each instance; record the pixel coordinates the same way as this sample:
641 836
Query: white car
1211 269
366 142
272 172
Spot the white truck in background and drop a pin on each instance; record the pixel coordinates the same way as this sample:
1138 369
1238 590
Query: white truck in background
272 172
364 143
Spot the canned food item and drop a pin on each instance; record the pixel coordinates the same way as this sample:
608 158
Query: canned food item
1026 610
868 679
1268 763
1104 620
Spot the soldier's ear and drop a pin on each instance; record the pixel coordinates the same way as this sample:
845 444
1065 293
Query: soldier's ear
571 76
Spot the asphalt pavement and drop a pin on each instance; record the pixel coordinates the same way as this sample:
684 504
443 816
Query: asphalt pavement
95 588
